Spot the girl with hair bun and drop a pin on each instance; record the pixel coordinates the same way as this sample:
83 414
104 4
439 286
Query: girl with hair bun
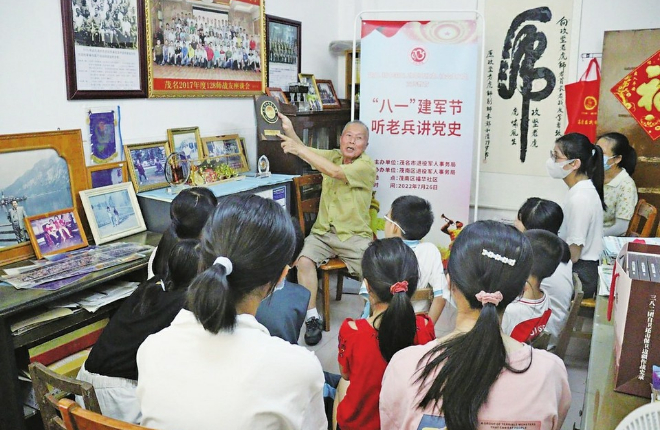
215 362
620 190
477 373
366 346
580 164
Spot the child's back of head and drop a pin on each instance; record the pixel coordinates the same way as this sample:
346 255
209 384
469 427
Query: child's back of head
413 215
548 250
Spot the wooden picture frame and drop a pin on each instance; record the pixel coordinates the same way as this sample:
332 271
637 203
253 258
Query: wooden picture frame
230 148
283 48
187 141
312 96
51 234
328 95
146 163
278 94
107 208
103 175
172 76
67 144
104 59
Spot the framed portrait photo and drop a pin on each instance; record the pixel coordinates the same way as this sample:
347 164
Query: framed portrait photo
112 212
278 94
186 141
146 163
329 98
283 37
56 232
205 48
104 49
312 95
103 175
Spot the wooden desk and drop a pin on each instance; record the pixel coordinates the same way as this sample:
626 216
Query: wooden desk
604 408
14 302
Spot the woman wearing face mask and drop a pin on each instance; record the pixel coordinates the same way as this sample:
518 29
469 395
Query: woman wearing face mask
619 161
580 164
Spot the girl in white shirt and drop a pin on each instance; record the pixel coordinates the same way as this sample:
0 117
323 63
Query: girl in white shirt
580 164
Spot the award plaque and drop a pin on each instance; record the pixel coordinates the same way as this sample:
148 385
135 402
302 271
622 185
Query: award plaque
268 123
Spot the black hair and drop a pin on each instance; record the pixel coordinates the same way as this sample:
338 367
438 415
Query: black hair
548 250
258 238
540 213
188 211
414 215
622 148
386 262
468 364
182 269
576 146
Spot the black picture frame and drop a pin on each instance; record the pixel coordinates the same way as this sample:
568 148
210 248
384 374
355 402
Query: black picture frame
107 43
278 71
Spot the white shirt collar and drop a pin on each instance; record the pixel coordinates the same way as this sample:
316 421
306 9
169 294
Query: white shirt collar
243 321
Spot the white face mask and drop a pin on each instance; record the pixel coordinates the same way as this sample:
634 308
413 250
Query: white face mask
556 170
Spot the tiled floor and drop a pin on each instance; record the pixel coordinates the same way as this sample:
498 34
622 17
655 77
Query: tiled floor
351 305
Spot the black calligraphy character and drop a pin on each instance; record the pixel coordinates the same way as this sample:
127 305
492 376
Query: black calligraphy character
522 48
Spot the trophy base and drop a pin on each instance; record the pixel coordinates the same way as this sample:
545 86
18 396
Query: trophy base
175 189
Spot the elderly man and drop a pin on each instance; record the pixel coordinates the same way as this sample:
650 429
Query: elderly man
342 226
16 216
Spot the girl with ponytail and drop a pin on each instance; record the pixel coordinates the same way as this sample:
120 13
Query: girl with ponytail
478 374
215 361
391 273
580 164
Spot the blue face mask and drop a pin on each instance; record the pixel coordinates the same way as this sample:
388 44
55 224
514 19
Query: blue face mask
606 166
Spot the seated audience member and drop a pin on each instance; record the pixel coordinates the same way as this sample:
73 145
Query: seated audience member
342 228
411 218
619 161
477 373
366 346
111 366
547 215
527 316
215 366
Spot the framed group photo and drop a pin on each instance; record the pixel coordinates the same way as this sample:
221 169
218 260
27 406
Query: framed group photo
112 212
146 162
103 175
104 49
283 37
55 232
205 48
329 98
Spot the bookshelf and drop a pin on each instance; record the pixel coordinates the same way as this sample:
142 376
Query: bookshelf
14 348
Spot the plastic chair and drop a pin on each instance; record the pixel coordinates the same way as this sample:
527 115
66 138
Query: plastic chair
646 211
49 387
77 418
645 417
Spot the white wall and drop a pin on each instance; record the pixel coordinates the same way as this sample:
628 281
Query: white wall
33 88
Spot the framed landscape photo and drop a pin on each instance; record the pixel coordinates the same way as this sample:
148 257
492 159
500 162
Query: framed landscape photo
146 163
104 49
329 98
107 174
278 94
205 48
312 95
112 212
283 37
56 232
186 141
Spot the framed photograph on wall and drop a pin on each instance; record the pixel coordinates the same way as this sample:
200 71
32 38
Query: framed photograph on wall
329 98
312 95
55 232
186 141
283 37
103 175
146 162
104 49
112 212
227 39
279 95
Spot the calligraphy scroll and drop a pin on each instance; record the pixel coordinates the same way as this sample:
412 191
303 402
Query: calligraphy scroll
527 49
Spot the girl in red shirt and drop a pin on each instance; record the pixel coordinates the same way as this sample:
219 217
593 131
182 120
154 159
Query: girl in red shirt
366 346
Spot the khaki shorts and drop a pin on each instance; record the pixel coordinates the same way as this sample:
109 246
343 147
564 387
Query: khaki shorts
321 248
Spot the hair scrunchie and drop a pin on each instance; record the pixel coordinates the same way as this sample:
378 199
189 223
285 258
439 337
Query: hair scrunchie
399 287
494 298
226 263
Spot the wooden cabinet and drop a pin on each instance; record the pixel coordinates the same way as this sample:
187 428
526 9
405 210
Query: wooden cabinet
320 130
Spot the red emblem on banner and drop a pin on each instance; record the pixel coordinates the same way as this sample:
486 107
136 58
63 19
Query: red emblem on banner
418 55
639 93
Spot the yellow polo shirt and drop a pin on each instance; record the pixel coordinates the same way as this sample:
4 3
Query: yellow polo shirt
345 205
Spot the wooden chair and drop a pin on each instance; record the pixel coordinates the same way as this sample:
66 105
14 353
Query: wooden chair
77 418
568 330
49 387
541 341
646 211
308 199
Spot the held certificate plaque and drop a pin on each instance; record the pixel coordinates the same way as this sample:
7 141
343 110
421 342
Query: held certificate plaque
269 123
